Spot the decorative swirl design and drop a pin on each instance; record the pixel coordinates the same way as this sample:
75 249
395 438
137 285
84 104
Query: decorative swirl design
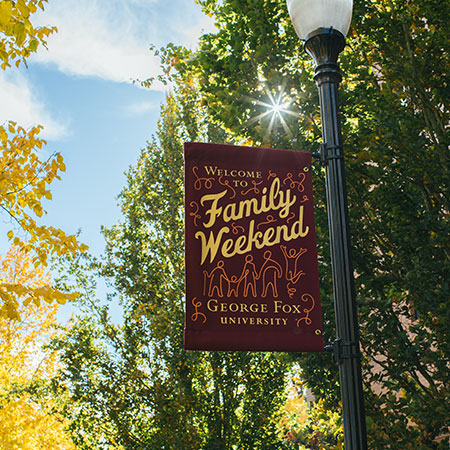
195 214
304 199
271 175
235 228
307 319
289 178
291 290
293 183
198 182
269 219
291 216
255 188
226 183
197 314
302 177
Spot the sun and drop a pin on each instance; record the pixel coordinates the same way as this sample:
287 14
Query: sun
276 107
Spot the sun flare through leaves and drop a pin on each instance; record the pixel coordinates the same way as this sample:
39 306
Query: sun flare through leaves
276 106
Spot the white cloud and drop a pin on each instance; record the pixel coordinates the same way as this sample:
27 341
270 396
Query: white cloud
92 41
19 103
187 23
138 109
110 39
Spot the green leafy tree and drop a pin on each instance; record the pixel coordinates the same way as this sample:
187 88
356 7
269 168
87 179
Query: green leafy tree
133 386
395 121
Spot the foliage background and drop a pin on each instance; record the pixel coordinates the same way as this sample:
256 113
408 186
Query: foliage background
395 114
130 385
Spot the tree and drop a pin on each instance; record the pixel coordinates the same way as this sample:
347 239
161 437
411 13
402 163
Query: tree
309 425
140 389
27 417
395 122
19 38
24 176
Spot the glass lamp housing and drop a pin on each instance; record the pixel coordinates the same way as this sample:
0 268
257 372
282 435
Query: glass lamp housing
311 15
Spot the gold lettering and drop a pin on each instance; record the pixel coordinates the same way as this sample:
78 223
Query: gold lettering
229 213
297 228
266 321
212 305
250 236
239 244
272 236
213 211
268 235
212 245
286 236
246 207
226 247
210 170
277 200
276 195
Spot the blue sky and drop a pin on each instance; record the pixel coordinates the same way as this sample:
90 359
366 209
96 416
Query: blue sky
80 91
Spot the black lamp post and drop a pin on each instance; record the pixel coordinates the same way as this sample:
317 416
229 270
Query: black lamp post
323 24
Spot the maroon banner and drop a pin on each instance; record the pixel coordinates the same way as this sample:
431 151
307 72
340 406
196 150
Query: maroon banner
252 279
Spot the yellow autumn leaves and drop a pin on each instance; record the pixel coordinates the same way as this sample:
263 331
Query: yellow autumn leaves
28 302
24 181
26 422
24 174
19 38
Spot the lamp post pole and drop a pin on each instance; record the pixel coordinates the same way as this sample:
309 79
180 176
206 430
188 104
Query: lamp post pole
324 45
323 25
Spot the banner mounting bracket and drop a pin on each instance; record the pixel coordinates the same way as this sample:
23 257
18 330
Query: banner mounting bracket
342 350
328 152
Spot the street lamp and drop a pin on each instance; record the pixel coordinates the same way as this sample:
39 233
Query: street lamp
323 25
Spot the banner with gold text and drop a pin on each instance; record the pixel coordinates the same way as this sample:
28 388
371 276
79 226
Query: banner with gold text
252 280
